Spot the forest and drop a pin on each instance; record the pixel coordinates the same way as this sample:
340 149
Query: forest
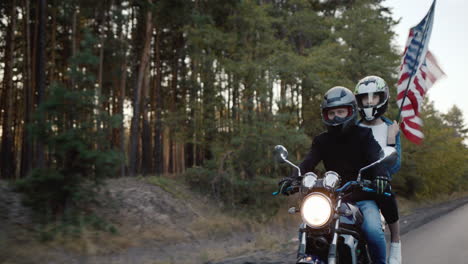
198 91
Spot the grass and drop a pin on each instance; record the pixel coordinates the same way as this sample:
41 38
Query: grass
26 247
165 183
21 246
217 225
99 243
265 237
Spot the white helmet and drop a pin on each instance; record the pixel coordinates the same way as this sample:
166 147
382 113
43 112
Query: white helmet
370 86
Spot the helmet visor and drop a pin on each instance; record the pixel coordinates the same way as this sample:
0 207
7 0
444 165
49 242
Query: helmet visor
330 113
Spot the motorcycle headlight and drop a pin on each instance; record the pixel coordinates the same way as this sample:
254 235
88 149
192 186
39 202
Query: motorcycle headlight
331 180
316 210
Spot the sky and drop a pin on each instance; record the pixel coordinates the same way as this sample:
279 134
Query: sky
448 43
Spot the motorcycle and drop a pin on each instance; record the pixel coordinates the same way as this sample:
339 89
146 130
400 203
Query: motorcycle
330 232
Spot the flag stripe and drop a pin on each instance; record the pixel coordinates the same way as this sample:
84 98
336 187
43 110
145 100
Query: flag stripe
418 87
404 77
410 136
409 122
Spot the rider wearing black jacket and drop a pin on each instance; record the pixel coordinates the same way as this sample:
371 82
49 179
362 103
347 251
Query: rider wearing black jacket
346 154
345 148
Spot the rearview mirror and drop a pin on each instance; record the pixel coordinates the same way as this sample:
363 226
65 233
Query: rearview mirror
281 153
388 156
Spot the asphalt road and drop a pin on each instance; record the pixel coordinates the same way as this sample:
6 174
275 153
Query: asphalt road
443 240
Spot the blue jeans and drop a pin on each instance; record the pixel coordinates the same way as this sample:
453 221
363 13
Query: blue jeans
372 229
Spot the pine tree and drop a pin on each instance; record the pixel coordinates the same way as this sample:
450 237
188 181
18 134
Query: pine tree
454 119
77 164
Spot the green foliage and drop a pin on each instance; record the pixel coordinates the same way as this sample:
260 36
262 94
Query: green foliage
454 119
77 163
72 225
366 33
168 185
76 135
234 193
243 173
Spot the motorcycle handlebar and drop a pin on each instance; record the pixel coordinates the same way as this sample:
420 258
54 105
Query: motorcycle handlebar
287 189
363 184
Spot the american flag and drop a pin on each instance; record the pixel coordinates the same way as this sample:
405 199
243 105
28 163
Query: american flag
418 72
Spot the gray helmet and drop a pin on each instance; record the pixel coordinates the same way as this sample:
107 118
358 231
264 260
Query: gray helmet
369 86
339 96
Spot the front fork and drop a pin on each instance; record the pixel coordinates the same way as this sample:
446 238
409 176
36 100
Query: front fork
333 244
302 241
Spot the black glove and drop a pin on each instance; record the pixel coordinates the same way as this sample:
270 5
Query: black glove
284 184
381 183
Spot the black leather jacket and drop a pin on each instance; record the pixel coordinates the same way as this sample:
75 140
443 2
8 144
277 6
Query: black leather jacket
345 154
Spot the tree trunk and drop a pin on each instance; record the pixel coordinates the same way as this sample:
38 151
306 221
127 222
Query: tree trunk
73 37
7 162
235 102
101 64
192 121
146 146
157 105
118 133
182 109
282 103
18 127
173 106
137 97
166 150
26 146
34 51
99 107
123 85
40 72
53 68
298 104
180 157
209 119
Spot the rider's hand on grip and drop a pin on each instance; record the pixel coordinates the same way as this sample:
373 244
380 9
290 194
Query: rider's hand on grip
284 188
381 183
286 185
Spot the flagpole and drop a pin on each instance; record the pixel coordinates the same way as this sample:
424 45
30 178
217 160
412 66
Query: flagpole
415 71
